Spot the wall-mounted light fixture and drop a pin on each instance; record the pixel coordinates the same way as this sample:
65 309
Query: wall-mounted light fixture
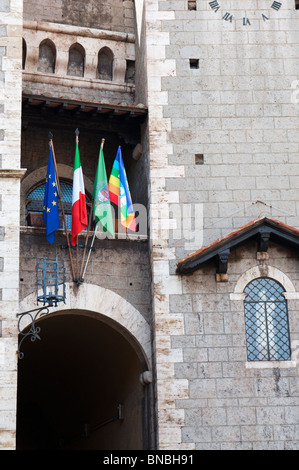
50 291
50 282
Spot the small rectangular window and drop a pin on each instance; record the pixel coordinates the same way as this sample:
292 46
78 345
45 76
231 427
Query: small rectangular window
130 72
194 63
199 159
191 5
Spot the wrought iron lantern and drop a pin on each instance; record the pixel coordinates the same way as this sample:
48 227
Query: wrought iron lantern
50 282
50 291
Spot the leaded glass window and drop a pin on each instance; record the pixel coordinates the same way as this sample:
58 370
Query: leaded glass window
266 321
36 199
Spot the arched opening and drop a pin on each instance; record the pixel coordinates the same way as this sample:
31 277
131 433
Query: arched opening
71 383
47 57
35 200
105 64
76 61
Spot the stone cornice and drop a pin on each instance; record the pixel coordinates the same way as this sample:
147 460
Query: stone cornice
12 172
40 77
59 28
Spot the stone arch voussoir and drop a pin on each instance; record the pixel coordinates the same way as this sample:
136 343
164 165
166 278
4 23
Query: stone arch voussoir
107 306
263 271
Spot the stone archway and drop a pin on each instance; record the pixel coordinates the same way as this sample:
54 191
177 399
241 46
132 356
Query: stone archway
84 385
262 271
109 306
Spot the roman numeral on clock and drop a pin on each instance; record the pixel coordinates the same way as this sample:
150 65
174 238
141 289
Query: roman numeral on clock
228 17
214 5
276 5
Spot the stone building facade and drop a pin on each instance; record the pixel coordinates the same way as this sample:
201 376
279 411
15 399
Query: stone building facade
203 100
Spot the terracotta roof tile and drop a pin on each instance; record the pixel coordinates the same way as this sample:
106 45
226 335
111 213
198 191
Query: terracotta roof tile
221 242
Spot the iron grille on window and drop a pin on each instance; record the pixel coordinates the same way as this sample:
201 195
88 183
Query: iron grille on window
36 198
266 321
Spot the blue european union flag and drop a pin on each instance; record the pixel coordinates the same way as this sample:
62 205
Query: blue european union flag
50 209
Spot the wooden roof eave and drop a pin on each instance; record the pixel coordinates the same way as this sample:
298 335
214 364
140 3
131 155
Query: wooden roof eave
95 108
263 230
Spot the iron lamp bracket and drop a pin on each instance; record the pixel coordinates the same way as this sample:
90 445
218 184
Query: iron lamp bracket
34 330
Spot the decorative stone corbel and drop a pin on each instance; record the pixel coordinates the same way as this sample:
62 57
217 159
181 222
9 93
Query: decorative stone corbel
222 261
146 377
137 152
263 241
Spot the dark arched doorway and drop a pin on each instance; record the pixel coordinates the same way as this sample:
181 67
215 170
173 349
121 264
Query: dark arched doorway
71 383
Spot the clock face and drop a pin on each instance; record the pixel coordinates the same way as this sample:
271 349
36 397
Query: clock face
227 13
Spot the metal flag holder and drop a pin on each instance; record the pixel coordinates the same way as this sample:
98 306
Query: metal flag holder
50 290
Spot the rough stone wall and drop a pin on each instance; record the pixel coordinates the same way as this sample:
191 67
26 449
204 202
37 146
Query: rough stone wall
115 16
120 266
35 155
236 110
222 138
10 174
234 404
89 87
223 151
35 152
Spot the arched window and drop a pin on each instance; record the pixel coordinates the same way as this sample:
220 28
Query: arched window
36 200
76 61
266 321
47 57
105 64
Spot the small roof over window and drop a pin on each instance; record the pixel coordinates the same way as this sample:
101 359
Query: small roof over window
262 230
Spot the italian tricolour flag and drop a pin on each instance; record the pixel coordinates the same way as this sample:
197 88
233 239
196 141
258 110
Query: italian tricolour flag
79 212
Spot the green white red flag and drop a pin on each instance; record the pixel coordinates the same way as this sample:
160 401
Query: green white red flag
102 208
79 211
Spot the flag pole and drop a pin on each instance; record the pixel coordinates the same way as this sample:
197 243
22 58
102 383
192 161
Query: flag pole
77 249
87 236
90 248
77 244
61 203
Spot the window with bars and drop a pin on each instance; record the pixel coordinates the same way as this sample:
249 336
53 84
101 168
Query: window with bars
266 321
36 199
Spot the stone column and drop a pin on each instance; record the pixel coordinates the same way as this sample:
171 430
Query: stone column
166 323
10 175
